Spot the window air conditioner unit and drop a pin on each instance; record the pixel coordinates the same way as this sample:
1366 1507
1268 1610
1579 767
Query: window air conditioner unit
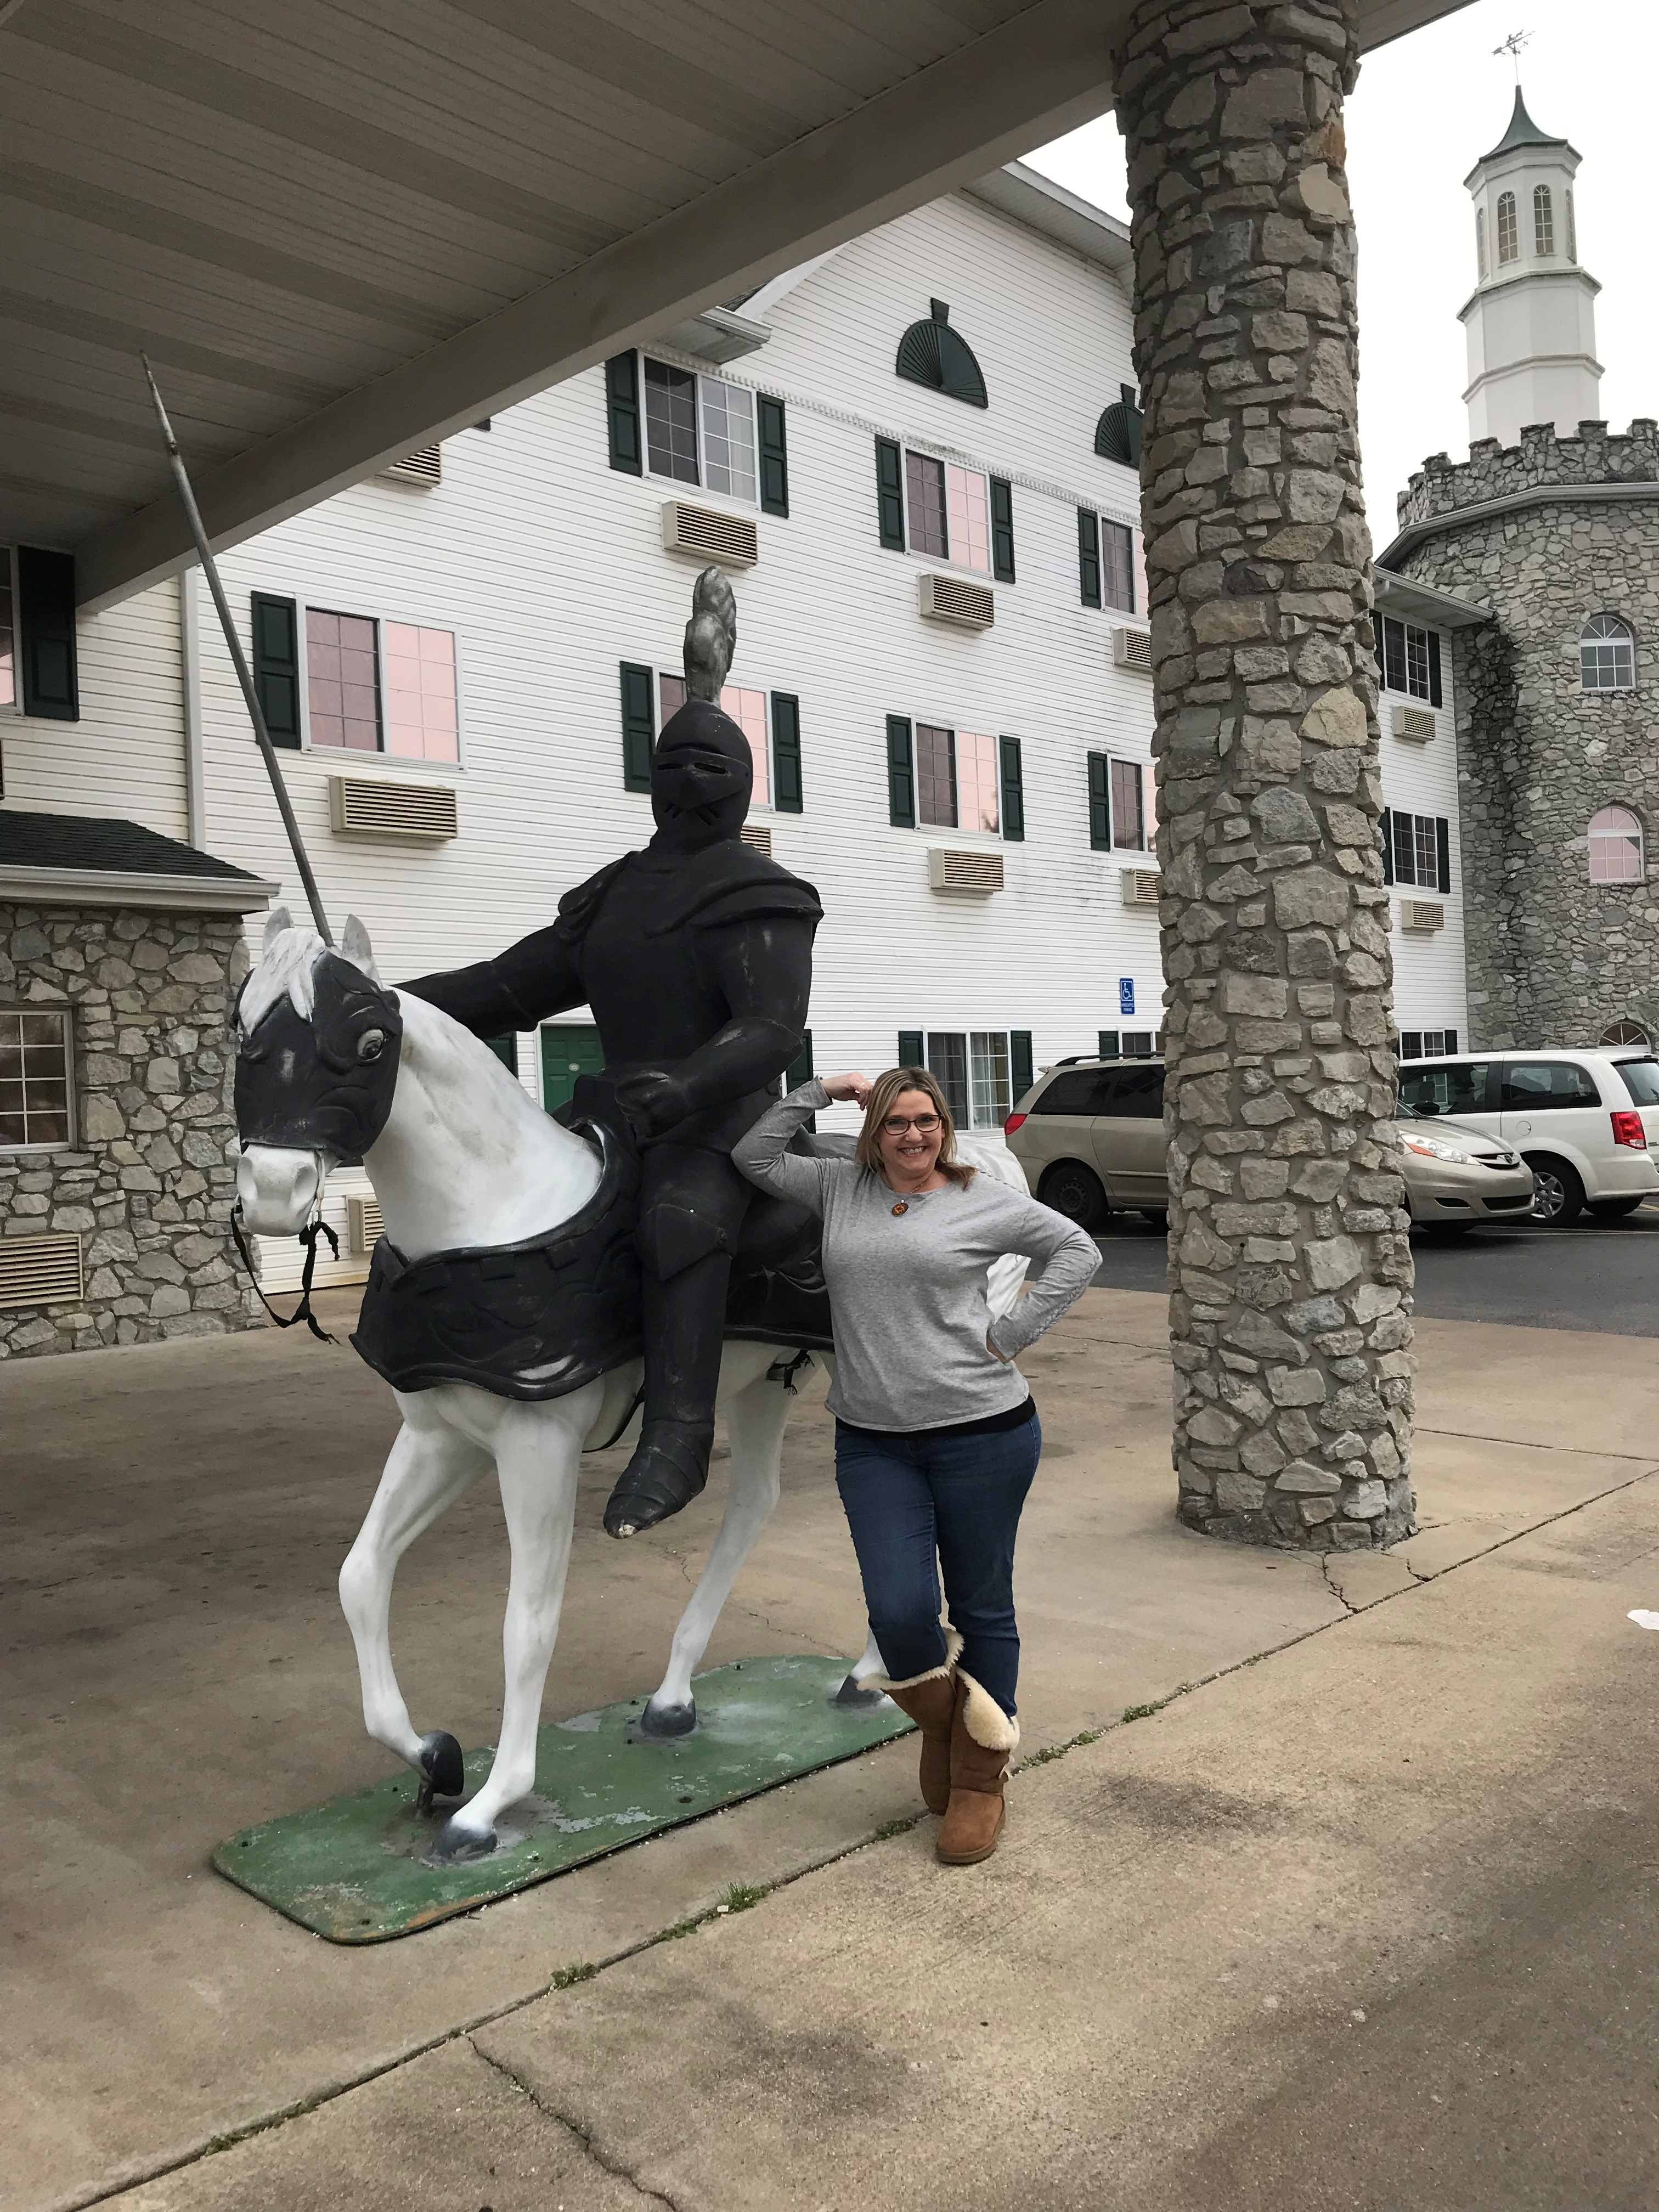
40 1271
364 1226
369 807
954 599
706 535
1133 648
949 870
758 835
1142 887
1415 724
1423 915
425 466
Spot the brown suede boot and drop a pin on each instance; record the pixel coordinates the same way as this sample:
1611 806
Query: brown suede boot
930 1699
982 1740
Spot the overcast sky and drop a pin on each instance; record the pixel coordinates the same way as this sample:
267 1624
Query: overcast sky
1427 108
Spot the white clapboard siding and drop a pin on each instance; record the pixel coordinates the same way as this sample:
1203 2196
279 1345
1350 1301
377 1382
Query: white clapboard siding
1429 986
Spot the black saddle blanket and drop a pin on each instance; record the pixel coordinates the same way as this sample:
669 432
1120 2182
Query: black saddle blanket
540 1319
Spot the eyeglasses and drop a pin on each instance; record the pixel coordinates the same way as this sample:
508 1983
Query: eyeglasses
923 1124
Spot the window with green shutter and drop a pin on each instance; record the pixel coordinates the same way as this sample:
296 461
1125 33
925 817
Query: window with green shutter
1109 1044
774 455
901 774
639 722
276 666
786 753
45 634
1023 1072
622 399
1014 790
890 494
1088 556
1100 802
1002 530
910 1048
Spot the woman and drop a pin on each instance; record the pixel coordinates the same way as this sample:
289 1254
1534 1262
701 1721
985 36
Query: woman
937 1437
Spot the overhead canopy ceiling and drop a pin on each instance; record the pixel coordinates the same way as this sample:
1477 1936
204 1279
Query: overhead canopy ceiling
343 227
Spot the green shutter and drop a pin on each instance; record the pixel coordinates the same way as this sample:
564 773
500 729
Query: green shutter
45 634
890 494
622 400
1088 556
911 1049
276 624
800 1069
1002 530
1442 851
1107 1045
774 455
1100 802
1013 791
506 1049
786 753
638 721
1022 1074
901 774
1434 668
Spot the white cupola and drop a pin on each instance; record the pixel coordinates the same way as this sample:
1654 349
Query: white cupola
1531 318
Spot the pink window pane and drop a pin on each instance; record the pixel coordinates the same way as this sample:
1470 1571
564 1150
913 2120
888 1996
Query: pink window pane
1143 604
976 781
420 693
673 690
342 687
1615 846
969 518
748 710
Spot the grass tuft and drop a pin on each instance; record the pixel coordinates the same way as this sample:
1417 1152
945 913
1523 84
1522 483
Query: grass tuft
888 1829
568 1977
741 1896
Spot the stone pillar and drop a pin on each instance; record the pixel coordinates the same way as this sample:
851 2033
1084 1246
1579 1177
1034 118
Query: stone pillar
1290 1268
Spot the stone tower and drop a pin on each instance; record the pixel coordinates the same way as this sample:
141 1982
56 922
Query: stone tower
1530 321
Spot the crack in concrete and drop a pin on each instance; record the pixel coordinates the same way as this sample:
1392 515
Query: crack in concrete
1325 1559
583 2134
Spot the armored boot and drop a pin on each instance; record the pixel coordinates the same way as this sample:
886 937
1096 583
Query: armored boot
684 1322
930 1699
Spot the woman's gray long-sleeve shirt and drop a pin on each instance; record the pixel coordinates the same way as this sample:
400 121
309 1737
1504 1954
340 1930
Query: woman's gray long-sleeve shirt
908 1290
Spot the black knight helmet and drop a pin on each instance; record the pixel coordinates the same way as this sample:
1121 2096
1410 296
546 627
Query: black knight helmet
703 775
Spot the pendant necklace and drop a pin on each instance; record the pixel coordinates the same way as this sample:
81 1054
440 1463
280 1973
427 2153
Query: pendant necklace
903 1206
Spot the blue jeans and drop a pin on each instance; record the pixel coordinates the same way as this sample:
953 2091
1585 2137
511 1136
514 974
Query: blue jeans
916 1505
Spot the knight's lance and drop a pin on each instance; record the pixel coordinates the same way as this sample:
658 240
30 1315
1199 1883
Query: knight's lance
209 569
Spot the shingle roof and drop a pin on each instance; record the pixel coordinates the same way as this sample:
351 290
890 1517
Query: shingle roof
1522 131
101 844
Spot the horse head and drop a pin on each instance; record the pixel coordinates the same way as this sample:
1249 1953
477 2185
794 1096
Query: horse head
318 1040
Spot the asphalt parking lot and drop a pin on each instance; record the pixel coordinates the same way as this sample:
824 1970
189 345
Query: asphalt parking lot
1598 1275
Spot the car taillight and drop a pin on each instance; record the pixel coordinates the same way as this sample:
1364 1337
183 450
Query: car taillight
1627 1130
1018 1122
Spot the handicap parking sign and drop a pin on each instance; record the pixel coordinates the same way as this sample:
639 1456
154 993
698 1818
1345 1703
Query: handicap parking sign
1126 994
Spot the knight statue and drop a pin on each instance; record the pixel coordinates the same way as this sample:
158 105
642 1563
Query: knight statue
696 959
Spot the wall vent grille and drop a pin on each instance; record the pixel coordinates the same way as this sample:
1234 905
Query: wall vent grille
758 835
425 466
954 599
706 535
1413 724
1423 916
1133 648
949 870
363 1221
368 806
1142 887
40 1271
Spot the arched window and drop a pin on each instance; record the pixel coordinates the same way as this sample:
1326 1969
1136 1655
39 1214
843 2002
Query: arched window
1509 243
1480 242
1615 846
1117 434
931 352
1572 230
1627 1033
1543 220
1606 653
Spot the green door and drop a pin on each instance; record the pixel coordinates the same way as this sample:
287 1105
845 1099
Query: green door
568 1050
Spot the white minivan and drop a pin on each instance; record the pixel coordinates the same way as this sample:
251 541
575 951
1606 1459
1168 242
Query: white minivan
1586 1123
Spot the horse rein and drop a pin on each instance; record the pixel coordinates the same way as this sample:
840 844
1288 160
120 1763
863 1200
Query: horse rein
314 1228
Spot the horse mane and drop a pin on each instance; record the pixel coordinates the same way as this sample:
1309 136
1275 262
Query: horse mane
286 970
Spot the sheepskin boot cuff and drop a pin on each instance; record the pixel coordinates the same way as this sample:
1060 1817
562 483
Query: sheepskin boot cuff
984 1719
946 1668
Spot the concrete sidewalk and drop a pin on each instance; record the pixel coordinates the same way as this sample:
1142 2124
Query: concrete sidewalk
1167 1952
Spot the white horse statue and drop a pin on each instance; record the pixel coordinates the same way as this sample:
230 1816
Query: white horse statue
462 1159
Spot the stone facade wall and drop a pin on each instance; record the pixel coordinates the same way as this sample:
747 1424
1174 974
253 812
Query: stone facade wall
1291 1270
1553 959
148 1187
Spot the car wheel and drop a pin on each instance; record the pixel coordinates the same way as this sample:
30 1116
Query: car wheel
1158 1215
1613 1209
1074 1190
1557 1196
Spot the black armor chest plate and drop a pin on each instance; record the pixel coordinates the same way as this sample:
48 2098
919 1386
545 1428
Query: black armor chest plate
651 997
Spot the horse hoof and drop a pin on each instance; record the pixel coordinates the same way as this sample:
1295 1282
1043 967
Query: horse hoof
442 1764
852 1697
453 1845
665 1723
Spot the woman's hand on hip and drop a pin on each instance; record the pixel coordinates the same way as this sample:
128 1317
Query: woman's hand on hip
853 1086
1000 1357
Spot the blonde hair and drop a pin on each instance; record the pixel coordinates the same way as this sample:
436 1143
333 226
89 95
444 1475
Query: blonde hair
884 1093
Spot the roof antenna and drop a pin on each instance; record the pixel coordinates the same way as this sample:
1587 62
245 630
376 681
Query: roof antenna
1512 46
209 569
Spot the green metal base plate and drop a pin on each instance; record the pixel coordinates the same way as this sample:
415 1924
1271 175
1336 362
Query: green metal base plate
355 1870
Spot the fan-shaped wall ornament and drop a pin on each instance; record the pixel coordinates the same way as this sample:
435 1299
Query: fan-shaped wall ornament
932 353
1117 434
